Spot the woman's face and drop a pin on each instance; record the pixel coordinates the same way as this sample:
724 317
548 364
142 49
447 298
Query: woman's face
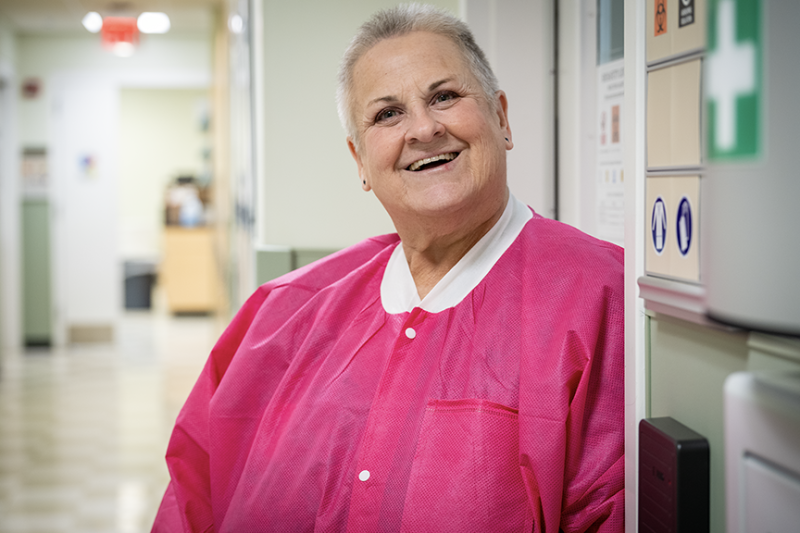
430 143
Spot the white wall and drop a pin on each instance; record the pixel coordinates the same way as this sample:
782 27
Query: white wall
84 123
245 136
634 165
570 116
7 42
517 37
10 326
160 61
578 115
310 189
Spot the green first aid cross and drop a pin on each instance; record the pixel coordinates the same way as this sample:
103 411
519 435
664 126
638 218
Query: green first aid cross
733 79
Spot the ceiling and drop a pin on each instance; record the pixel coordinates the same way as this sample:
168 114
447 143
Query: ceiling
42 16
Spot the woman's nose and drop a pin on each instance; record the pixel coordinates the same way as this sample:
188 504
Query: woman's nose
424 127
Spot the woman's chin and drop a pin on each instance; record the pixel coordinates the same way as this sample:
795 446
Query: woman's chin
442 203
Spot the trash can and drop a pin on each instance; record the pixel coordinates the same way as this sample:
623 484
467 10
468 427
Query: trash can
139 279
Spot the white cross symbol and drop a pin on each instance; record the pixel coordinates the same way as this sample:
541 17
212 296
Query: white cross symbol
731 73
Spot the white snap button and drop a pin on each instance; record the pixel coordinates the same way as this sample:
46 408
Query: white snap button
363 475
410 333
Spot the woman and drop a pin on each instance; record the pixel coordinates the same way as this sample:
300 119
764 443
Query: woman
462 375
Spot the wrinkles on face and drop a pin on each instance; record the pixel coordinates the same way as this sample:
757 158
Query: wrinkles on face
431 146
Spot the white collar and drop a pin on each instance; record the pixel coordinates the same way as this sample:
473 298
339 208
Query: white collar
399 293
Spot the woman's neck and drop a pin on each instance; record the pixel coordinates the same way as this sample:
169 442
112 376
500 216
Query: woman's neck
431 253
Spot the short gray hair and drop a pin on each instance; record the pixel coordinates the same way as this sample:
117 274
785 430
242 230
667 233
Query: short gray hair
399 21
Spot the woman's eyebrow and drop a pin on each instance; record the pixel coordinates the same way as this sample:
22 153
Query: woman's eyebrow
435 85
392 99
387 99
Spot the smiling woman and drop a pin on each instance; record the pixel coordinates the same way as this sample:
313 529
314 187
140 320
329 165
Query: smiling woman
464 374
431 146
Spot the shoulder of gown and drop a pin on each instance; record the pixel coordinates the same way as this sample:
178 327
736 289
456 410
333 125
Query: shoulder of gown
554 243
276 301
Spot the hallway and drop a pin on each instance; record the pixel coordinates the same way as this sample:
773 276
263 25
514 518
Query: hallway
84 430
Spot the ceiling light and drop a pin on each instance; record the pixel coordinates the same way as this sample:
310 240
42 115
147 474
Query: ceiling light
150 22
236 24
93 21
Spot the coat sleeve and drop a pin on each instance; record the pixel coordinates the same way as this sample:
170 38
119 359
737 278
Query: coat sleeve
594 472
186 505
168 519
572 395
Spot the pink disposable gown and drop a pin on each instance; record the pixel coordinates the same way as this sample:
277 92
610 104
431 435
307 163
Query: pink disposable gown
320 411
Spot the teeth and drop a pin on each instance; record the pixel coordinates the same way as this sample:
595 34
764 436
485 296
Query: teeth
441 157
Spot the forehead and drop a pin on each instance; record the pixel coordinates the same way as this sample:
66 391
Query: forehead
393 65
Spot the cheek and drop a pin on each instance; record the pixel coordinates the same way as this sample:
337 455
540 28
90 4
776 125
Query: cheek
474 128
492 157
381 150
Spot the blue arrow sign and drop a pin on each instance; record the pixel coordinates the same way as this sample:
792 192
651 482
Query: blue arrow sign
658 225
684 226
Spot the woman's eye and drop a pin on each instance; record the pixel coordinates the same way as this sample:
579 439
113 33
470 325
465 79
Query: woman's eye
444 97
386 114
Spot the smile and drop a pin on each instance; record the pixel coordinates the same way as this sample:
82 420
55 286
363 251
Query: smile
430 162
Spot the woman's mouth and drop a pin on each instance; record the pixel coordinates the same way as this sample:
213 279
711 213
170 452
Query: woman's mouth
430 162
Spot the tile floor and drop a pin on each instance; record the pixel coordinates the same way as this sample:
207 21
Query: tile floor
84 429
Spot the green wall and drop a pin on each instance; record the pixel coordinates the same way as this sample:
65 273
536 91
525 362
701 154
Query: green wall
687 365
36 297
275 261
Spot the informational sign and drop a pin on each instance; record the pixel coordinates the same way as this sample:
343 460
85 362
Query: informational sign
610 189
684 226
733 84
686 15
658 225
661 17
87 166
34 168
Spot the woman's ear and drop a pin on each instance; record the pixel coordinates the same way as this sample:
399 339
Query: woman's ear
354 152
501 108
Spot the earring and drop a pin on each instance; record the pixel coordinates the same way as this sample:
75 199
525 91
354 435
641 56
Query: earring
364 182
506 138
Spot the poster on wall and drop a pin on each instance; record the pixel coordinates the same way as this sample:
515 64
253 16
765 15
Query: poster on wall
610 190
34 170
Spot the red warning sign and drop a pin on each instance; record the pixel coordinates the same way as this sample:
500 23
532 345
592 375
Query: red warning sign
661 17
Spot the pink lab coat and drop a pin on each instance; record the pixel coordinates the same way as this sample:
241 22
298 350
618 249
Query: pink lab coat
319 411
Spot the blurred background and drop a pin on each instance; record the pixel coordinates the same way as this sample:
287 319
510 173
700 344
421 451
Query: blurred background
159 159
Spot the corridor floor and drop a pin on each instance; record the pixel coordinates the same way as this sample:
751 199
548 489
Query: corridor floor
84 429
